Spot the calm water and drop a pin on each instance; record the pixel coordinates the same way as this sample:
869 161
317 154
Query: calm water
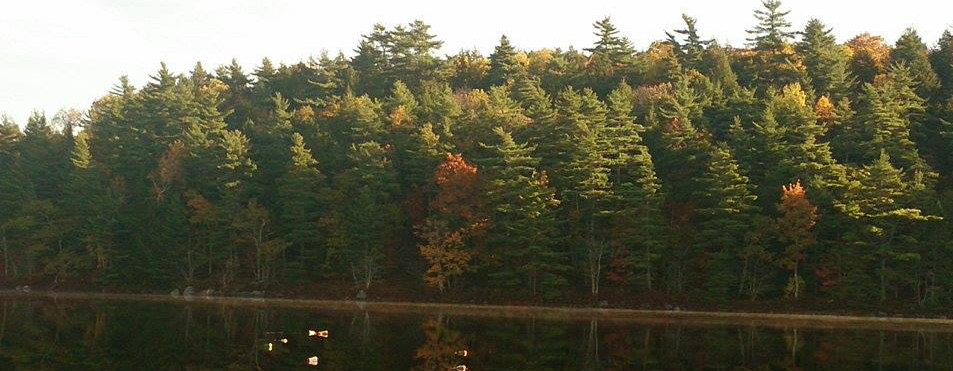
42 334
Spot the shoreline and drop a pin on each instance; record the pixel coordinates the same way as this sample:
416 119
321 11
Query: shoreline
613 315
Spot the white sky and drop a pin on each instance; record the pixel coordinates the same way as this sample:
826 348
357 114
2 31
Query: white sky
57 54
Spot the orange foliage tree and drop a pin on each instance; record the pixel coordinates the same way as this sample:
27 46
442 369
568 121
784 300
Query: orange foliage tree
869 56
798 217
455 217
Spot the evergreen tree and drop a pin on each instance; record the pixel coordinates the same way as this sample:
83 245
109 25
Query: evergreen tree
524 227
587 192
302 198
610 59
771 33
89 205
504 65
727 209
691 50
892 108
39 149
616 49
638 231
826 61
370 212
942 61
911 51
880 200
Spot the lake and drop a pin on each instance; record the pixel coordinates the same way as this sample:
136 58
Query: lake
40 333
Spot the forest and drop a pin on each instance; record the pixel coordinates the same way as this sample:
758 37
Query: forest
794 167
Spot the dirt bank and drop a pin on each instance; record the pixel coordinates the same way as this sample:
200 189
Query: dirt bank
652 317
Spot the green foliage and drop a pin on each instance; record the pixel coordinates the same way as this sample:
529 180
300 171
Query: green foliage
642 170
523 219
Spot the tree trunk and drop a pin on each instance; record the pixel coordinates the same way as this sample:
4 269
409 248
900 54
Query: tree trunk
648 267
797 281
883 279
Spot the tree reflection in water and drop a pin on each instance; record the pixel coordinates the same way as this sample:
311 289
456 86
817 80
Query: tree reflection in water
127 335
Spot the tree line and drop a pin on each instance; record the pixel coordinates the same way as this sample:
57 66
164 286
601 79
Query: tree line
792 166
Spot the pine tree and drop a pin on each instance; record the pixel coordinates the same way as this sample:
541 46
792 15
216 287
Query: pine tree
524 227
89 205
302 199
911 51
892 108
682 159
691 50
236 169
586 175
727 209
16 190
638 233
369 213
771 33
773 62
942 60
826 61
716 64
371 62
272 137
616 49
39 149
610 59
504 65
879 198
238 96
410 53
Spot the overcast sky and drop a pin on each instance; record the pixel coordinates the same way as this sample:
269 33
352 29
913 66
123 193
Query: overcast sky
60 54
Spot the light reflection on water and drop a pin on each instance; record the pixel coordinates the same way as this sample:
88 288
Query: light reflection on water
43 334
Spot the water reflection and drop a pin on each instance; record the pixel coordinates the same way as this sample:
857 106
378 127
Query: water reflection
112 335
